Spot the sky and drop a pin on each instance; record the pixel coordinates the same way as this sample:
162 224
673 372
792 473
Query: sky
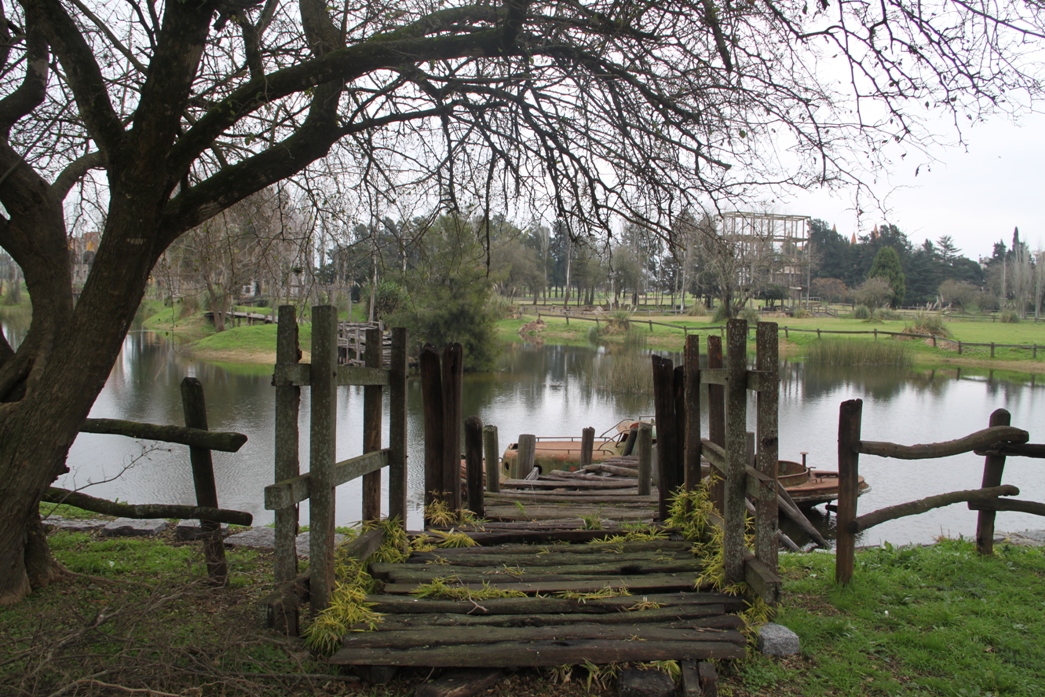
976 193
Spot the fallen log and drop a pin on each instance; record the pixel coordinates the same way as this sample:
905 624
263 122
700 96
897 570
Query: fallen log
145 510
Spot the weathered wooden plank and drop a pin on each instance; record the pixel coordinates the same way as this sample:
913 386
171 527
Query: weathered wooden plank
661 583
1033 507
734 506
450 636
293 374
694 615
462 683
492 459
530 561
667 441
432 398
903 510
587 445
716 417
473 455
372 417
397 427
849 418
763 580
225 441
539 654
767 456
292 491
545 546
524 459
363 376
401 604
425 573
980 440
195 410
569 512
578 483
144 510
453 376
691 443
287 464
322 447
714 376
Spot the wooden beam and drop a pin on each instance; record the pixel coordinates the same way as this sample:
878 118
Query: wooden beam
903 510
373 355
397 428
363 376
144 510
225 441
1032 507
290 374
849 419
287 464
295 490
978 441
993 467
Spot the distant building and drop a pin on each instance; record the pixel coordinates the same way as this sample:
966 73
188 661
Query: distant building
773 248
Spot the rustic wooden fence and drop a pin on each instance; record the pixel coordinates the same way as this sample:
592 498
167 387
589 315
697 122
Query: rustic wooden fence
323 376
201 441
1033 348
728 449
995 442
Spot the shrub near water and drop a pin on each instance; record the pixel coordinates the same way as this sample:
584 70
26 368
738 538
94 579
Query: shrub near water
848 352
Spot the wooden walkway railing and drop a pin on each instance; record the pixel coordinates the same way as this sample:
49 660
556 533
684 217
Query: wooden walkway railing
201 441
323 375
995 442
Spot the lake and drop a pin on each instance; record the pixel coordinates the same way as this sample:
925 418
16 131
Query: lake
554 390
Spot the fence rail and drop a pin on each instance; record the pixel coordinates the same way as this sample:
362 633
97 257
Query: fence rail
998 438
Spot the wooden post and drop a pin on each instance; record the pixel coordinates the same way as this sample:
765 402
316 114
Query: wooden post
432 396
993 466
992 349
322 455
195 409
716 417
288 402
373 358
453 376
587 446
397 420
679 464
526 456
734 504
473 457
692 432
664 408
492 455
849 416
644 443
766 425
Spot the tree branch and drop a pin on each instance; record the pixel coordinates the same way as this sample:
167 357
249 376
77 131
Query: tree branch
31 93
75 171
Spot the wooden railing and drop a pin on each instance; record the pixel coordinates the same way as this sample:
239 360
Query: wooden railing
680 445
323 375
201 441
995 442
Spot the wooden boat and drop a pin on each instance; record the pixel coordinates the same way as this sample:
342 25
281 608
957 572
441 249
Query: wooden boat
807 487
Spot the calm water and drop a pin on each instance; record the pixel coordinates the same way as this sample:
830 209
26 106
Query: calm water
549 391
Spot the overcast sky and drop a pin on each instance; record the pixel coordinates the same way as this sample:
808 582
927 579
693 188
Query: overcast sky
976 194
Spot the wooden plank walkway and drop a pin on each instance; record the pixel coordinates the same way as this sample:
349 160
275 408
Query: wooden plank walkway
606 602
606 491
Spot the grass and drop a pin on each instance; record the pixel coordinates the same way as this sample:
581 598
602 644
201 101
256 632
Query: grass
846 352
937 620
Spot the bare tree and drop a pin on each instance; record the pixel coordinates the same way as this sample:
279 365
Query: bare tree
160 115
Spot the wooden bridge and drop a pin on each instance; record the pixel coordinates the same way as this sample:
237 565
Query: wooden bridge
553 583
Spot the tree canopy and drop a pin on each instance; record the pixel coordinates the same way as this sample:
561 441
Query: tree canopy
142 120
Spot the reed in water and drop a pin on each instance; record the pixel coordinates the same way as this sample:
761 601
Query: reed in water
847 352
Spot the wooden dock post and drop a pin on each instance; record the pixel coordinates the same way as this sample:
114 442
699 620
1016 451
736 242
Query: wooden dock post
473 457
716 417
679 465
287 466
692 431
993 466
849 417
492 456
372 358
734 504
195 409
453 377
664 408
587 446
644 445
432 396
766 427
397 420
322 455
524 460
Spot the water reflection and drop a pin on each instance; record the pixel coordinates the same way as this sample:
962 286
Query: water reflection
558 390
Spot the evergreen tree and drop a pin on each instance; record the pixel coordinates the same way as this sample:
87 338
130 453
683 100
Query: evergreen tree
887 265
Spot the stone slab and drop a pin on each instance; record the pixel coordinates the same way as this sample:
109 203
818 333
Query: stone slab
256 538
645 683
74 524
134 527
192 530
1024 538
777 640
